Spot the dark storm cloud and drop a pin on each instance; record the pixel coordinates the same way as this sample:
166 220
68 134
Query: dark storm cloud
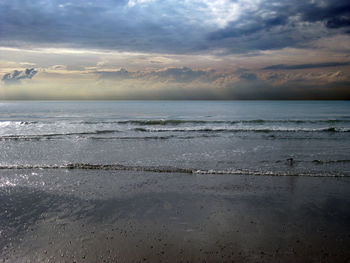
248 76
245 90
167 26
335 13
236 29
181 75
307 66
17 75
115 75
338 22
261 90
279 24
176 75
243 84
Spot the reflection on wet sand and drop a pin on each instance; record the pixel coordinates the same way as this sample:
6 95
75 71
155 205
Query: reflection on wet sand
146 217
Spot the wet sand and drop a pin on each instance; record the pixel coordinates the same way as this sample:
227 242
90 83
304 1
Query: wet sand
125 216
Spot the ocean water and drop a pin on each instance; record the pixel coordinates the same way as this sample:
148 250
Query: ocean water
175 181
310 138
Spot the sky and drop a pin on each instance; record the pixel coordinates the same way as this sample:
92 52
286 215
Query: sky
174 49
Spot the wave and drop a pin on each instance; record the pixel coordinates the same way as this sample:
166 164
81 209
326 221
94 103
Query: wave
202 132
165 169
17 123
87 166
230 129
313 161
174 122
330 161
257 121
61 136
51 135
176 133
153 137
162 122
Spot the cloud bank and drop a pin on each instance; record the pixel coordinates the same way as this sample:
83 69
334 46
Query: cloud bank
184 83
307 66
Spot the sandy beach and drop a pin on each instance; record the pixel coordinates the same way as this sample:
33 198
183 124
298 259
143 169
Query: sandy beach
124 216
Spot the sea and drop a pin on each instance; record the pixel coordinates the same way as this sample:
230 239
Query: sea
277 138
174 181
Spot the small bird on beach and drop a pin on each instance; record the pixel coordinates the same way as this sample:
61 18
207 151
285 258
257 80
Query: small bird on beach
290 161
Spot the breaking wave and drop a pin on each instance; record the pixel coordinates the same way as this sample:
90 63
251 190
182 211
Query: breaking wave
51 135
174 122
231 129
168 169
